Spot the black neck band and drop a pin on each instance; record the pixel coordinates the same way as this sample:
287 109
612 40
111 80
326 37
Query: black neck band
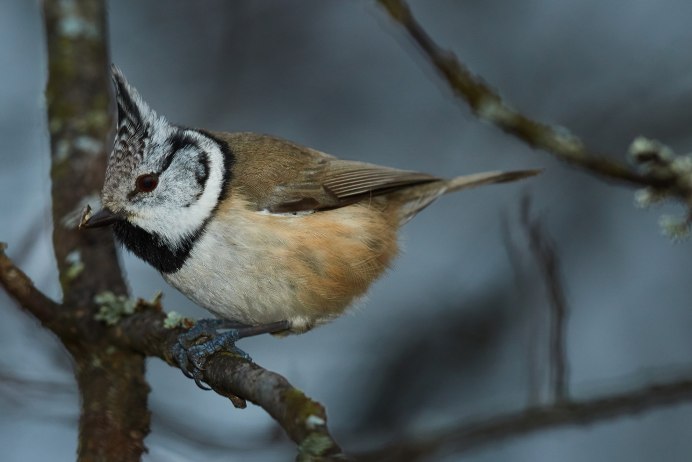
152 248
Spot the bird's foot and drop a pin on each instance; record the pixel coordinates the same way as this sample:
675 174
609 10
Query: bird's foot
196 345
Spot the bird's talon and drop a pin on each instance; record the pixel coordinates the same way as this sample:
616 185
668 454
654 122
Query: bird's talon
197 377
198 360
196 345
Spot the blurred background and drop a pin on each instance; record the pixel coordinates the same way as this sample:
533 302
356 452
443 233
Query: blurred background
456 328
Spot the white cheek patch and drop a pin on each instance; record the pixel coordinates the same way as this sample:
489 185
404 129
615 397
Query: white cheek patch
175 223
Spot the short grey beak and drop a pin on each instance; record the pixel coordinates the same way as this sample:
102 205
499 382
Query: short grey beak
103 217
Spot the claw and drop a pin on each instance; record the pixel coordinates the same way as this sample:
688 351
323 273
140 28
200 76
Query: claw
180 355
203 340
198 354
197 376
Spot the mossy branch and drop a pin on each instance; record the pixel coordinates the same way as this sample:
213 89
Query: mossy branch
487 105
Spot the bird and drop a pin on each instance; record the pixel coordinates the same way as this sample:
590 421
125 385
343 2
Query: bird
268 235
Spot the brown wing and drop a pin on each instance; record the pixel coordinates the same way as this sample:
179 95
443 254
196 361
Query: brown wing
341 183
353 179
282 177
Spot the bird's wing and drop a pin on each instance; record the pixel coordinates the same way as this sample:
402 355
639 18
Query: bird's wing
339 183
292 178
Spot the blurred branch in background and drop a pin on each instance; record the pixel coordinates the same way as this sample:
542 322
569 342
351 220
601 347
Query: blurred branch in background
454 346
561 409
658 170
474 435
535 367
16 387
670 177
170 425
546 257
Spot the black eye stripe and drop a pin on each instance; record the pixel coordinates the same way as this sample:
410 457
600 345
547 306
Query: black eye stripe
202 175
179 141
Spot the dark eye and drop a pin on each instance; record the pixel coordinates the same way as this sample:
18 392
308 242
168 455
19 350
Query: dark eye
147 182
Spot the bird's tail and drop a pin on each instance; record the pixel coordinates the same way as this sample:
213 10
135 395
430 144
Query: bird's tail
479 179
418 197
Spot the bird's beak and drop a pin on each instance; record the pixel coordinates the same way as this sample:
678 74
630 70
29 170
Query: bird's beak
103 217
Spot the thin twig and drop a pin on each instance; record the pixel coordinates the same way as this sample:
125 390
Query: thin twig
22 289
488 105
543 250
535 366
474 435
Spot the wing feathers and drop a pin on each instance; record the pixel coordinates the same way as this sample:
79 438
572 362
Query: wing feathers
348 179
292 178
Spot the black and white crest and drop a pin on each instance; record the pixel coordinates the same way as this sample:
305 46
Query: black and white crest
132 131
185 172
136 120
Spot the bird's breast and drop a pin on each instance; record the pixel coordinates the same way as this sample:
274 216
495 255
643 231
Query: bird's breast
256 267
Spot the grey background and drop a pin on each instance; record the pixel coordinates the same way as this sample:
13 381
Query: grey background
444 336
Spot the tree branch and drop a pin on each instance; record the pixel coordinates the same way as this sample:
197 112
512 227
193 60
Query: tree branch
474 435
22 289
78 97
304 420
114 417
488 105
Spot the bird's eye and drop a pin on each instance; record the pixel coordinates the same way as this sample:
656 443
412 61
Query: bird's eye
147 182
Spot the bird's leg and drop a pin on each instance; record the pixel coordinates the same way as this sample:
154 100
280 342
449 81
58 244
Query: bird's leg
204 339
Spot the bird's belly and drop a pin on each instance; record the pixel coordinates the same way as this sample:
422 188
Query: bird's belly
239 289
261 268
